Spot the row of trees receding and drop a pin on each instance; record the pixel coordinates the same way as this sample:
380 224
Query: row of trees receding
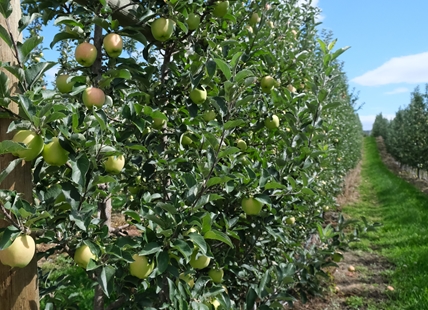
405 136
199 176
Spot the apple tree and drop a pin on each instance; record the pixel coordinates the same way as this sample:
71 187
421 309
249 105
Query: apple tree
190 150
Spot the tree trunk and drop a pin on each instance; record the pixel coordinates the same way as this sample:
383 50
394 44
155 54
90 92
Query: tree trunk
18 286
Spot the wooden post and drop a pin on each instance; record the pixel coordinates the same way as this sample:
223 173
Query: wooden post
18 286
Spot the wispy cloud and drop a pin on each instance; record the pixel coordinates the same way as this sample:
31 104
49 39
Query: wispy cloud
398 90
410 69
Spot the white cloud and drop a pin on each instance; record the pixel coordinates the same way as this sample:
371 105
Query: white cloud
410 69
368 120
398 90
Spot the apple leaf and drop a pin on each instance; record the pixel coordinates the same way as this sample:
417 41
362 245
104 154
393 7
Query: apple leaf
183 248
150 248
80 167
230 150
233 124
211 67
5 8
63 36
162 261
104 279
218 235
250 299
199 241
224 67
8 236
5 36
36 71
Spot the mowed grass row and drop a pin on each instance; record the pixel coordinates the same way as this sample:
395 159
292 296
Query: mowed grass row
403 237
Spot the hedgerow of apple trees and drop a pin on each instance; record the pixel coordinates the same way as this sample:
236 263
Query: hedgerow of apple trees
185 175
405 135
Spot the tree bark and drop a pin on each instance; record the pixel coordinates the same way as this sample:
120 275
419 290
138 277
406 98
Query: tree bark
18 286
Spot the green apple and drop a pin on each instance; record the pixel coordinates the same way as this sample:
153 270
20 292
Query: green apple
186 140
188 279
199 263
113 45
209 115
337 257
272 122
290 220
220 8
267 83
254 19
241 144
85 54
62 84
193 21
54 154
140 267
114 164
32 141
251 206
162 28
93 96
19 253
198 96
158 123
82 256
216 275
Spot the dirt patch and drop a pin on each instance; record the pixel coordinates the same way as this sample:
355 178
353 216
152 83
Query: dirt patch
366 286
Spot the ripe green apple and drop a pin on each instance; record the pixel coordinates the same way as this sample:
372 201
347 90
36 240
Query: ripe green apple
114 164
19 253
272 122
198 96
162 29
267 83
337 257
32 141
290 220
140 267
113 44
186 140
220 8
188 279
241 144
85 54
82 256
216 275
54 154
199 263
209 115
254 19
158 123
251 206
93 96
62 84
193 21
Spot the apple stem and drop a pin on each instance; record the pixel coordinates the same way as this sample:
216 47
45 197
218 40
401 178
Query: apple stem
10 218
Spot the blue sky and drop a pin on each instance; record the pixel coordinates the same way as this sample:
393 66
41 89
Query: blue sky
388 57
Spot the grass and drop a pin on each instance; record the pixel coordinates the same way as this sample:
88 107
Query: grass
403 238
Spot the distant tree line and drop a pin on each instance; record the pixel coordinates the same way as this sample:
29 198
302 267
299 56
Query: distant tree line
406 136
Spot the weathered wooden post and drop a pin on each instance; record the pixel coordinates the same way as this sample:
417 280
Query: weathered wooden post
18 286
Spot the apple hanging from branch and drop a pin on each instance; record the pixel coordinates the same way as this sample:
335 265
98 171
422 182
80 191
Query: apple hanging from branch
113 45
85 54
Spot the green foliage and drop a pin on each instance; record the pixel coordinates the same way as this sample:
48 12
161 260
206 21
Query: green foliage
185 198
380 126
405 136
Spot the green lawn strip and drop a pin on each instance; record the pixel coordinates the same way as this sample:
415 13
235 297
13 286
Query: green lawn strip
403 238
